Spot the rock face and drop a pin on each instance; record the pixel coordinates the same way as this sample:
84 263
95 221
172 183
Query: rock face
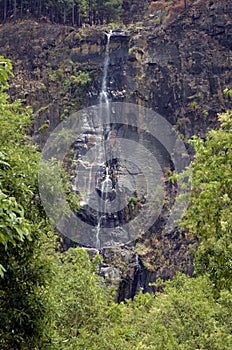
176 62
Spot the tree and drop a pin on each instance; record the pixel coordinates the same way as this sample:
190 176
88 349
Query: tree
14 227
82 298
184 316
185 4
209 213
5 71
12 221
64 11
25 308
108 10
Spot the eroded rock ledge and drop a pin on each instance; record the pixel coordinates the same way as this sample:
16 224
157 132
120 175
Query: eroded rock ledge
178 66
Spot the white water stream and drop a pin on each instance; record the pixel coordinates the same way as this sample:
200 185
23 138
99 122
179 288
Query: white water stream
106 184
99 166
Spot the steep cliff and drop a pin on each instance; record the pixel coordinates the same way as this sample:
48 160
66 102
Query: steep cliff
174 61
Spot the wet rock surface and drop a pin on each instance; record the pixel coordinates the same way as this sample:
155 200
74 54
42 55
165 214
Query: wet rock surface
178 66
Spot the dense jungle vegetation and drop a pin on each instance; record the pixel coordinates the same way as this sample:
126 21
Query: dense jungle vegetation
53 300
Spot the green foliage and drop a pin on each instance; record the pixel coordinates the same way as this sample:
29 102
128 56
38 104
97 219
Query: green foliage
209 214
55 186
184 316
24 302
19 178
57 301
228 92
193 105
71 82
44 126
133 200
111 9
82 297
64 11
5 71
205 113
56 75
26 312
82 78
13 225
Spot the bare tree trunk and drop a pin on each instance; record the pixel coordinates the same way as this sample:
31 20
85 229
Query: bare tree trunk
14 15
73 14
64 16
21 8
40 8
79 19
5 10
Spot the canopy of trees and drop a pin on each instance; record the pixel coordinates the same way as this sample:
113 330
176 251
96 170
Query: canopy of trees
209 215
24 269
73 12
56 301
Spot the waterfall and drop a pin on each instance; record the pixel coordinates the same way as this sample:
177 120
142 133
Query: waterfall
103 93
106 184
95 176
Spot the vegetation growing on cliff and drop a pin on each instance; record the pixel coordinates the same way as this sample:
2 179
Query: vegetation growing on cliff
57 301
209 215
89 12
24 266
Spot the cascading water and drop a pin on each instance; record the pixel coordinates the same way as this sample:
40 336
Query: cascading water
103 93
95 171
106 184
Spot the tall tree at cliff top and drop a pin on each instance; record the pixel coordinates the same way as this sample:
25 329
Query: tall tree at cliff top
73 12
24 302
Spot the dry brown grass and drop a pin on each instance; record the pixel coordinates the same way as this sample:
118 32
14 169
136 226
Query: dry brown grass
176 6
174 10
156 6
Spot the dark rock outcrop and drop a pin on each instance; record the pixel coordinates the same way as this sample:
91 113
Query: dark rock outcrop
178 65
